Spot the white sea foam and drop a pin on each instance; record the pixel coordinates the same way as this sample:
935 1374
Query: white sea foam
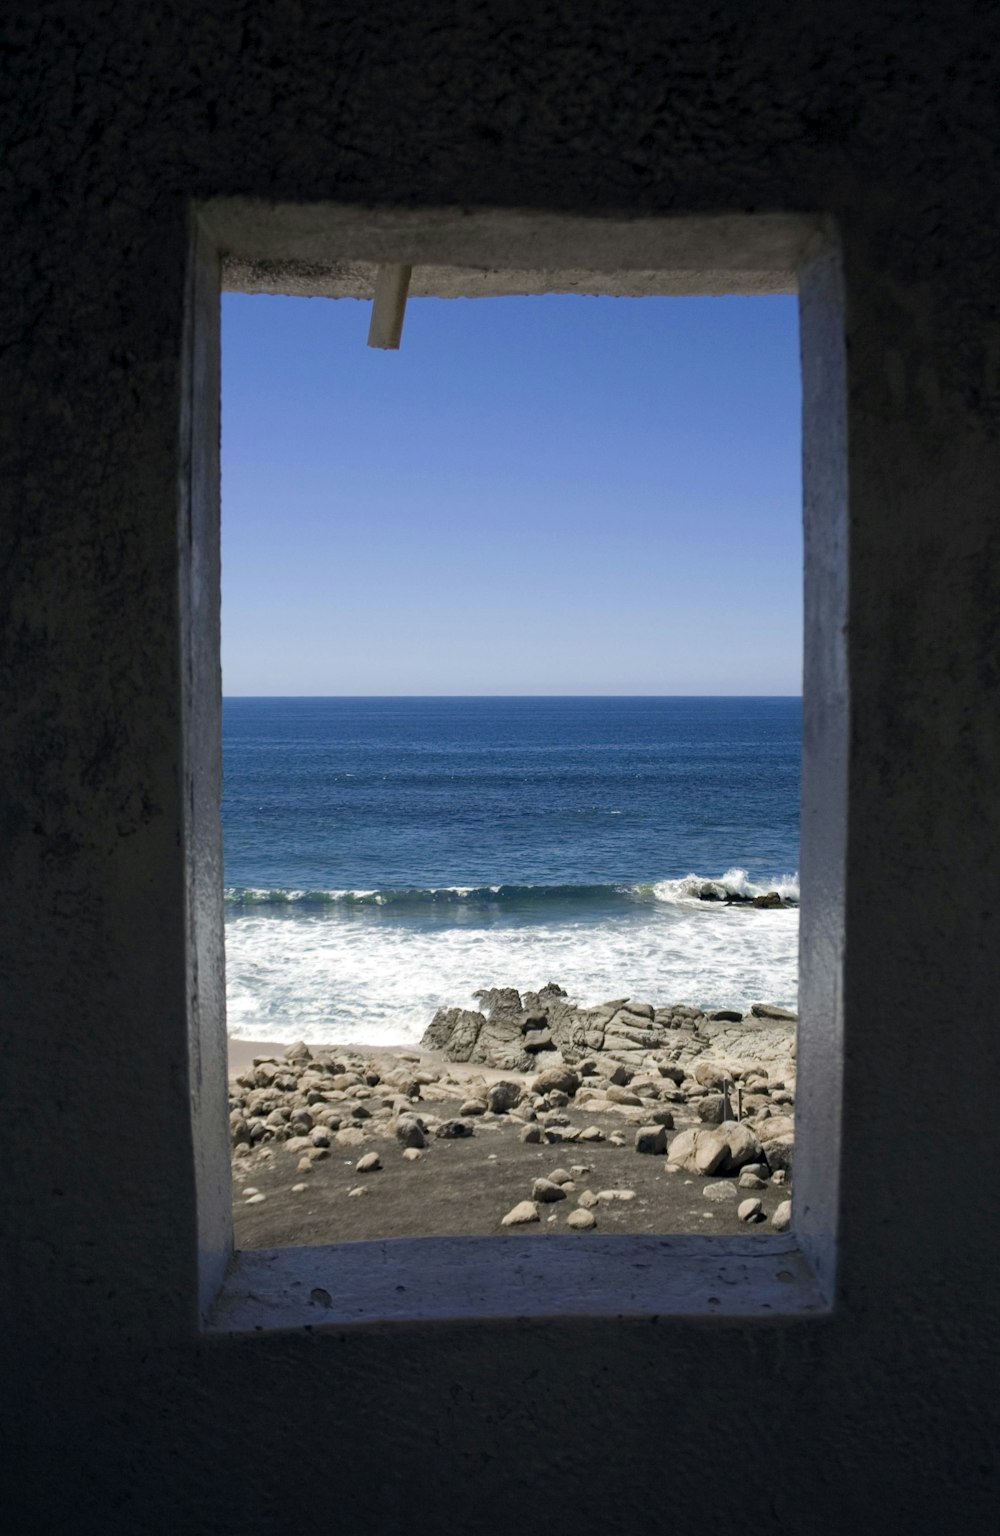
734 883
318 976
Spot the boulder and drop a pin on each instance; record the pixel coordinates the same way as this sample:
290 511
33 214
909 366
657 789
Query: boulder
780 1152
770 899
719 1192
651 1139
455 1130
750 1210
711 1074
547 1192
769 1011
724 1149
454 1031
409 1131
564 1079
503 1096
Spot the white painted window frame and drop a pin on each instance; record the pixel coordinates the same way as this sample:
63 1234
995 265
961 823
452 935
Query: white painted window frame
422 1280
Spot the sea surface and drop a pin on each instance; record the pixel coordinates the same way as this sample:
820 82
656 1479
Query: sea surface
385 857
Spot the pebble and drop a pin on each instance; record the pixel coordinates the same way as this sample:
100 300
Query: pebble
304 1165
370 1163
616 1139
412 1154
358 1190
580 1220
255 1199
298 1188
523 1213
616 1194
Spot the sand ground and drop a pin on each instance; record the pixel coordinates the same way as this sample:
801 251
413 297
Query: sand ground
464 1188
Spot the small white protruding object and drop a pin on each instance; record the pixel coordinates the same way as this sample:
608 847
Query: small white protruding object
392 284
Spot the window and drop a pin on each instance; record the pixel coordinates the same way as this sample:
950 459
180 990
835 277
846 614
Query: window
488 1277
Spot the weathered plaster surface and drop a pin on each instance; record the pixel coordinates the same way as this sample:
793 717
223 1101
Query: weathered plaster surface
118 1416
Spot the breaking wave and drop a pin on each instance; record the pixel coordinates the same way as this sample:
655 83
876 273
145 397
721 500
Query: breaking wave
733 887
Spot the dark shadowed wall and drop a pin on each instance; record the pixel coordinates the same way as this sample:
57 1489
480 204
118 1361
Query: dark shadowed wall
118 1416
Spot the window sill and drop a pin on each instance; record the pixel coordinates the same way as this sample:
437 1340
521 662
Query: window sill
465 1279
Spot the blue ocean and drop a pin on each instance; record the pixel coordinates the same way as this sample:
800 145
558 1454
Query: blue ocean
386 856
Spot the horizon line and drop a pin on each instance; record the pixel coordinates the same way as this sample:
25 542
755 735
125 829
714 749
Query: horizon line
512 695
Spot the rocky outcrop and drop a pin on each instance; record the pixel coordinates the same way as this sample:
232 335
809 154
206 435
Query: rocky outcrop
514 1032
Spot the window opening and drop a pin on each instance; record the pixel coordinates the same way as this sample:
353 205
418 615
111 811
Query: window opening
512 640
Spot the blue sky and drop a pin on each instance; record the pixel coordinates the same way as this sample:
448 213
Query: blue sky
554 495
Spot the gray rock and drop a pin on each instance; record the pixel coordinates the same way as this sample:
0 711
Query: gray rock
547 1192
521 1215
581 1221
564 1079
370 1163
711 1074
768 1011
455 1130
503 1096
453 1031
618 1095
782 1218
719 1192
561 1176
779 1151
298 1052
651 1138
532 1134
472 1107
750 1210
409 1131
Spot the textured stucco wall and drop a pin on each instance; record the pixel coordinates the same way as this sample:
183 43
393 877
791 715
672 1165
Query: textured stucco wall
115 117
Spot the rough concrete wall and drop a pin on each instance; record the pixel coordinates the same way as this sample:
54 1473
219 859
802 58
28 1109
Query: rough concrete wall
114 118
